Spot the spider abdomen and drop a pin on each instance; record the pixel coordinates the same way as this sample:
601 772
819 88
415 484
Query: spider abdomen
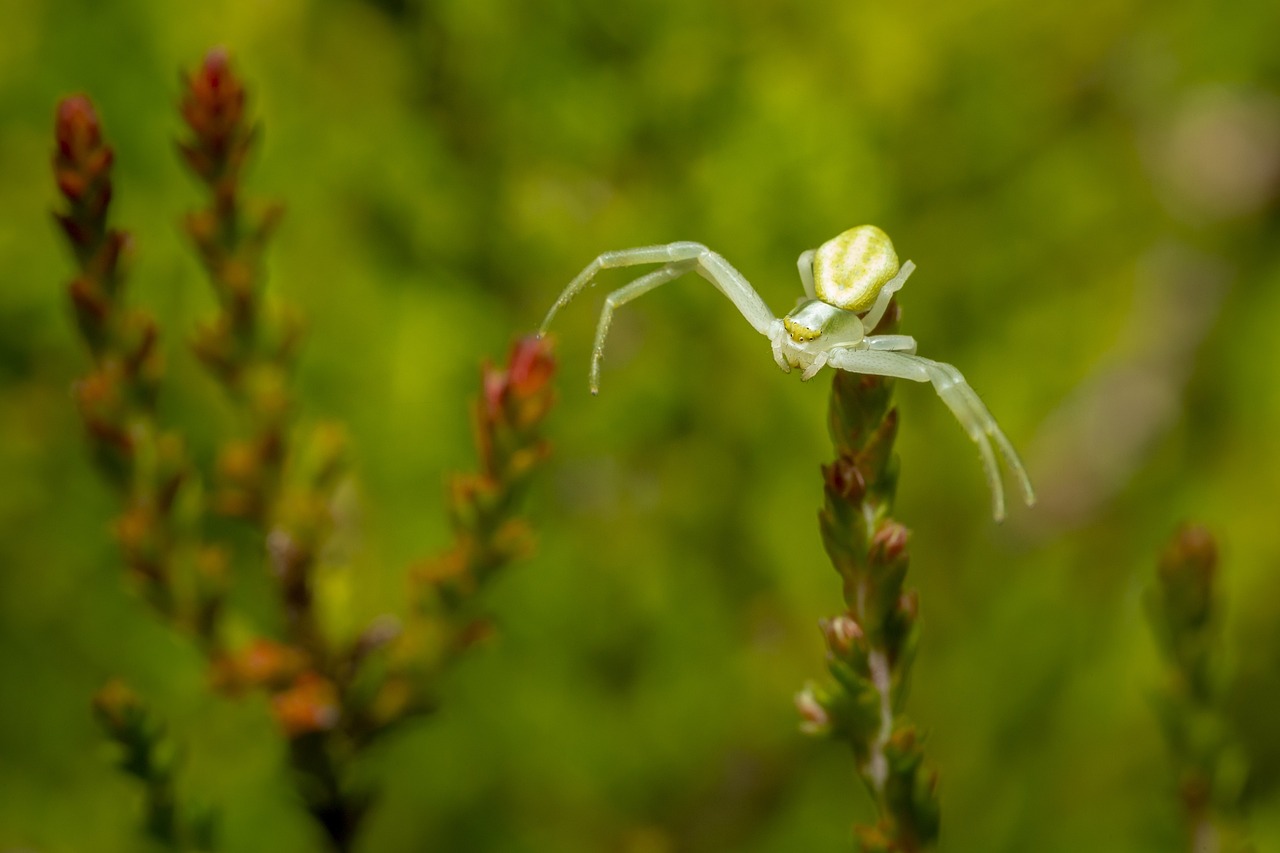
849 270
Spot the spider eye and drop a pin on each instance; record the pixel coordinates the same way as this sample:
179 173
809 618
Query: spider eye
849 270
799 333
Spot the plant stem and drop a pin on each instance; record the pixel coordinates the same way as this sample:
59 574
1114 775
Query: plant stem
1184 608
871 644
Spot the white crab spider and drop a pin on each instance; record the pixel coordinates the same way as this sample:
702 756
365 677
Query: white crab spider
849 281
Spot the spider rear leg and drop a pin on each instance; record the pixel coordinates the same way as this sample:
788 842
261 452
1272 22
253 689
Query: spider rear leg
960 398
873 317
977 420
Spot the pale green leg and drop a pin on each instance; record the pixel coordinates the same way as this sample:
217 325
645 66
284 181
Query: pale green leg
709 265
960 396
621 297
805 265
872 318
892 343
961 399
608 260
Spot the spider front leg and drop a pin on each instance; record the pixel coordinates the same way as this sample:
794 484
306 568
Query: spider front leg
621 297
804 264
610 260
679 258
960 398
881 343
892 343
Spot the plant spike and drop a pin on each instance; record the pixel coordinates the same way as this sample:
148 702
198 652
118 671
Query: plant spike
871 644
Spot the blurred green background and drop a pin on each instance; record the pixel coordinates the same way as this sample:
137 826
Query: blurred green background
1089 190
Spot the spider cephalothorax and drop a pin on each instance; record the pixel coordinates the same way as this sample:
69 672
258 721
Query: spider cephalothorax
849 281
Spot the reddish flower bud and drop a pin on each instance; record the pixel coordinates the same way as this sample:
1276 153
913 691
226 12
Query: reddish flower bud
265 661
310 704
77 130
531 366
82 170
493 384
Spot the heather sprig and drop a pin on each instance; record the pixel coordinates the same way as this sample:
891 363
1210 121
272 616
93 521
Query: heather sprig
1184 607
488 532
144 463
506 424
273 483
149 755
870 645
251 343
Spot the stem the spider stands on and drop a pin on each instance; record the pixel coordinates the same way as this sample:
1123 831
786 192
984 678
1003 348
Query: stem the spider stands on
871 644
1183 606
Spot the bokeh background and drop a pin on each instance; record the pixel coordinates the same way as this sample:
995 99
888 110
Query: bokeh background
1089 190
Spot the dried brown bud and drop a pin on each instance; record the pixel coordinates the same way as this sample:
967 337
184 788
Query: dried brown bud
845 479
1187 570
116 706
889 543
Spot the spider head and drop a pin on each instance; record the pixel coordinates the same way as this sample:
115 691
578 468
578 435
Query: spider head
850 270
815 320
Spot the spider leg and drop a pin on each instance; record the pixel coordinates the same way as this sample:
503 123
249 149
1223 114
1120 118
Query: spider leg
735 286
621 297
709 265
892 343
819 362
957 388
960 398
877 363
805 264
872 318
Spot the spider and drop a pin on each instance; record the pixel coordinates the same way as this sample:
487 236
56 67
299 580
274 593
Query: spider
848 281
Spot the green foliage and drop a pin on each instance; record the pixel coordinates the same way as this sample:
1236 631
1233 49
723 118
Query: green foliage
1084 190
